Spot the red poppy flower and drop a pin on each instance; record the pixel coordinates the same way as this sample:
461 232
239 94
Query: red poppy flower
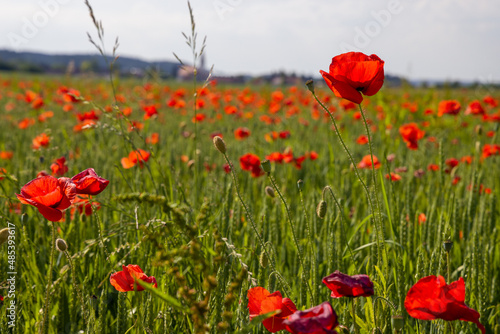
83 205
284 134
430 298
343 285
422 218
411 135
451 163
251 162
3 171
451 107
475 108
366 162
91 115
41 141
6 155
320 319
491 101
125 280
362 140
49 195
489 150
59 167
89 183
393 176
433 167
276 157
135 157
241 133
261 301
150 111
153 139
354 73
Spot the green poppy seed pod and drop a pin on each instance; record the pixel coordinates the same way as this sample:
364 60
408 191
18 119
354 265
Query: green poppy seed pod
310 85
220 144
266 165
61 245
269 192
4 235
321 209
300 184
448 245
263 260
398 322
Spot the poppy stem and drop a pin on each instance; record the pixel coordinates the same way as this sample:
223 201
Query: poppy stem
75 285
292 227
99 231
250 218
342 221
353 303
45 325
378 214
356 171
310 244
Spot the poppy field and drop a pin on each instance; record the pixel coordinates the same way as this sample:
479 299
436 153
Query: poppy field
340 205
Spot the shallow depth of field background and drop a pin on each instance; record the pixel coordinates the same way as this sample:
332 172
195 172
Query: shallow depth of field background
178 216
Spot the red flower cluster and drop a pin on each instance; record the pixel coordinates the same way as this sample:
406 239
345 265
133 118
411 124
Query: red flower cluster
320 319
51 195
431 298
126 280
288 157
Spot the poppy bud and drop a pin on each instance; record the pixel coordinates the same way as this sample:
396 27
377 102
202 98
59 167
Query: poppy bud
321 209
266 165
479 130
61 245
300 184
263 260
448 245
310 85
398 322
220 144
269 192
4 235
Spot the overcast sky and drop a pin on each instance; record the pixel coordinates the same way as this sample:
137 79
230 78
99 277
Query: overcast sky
418 39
